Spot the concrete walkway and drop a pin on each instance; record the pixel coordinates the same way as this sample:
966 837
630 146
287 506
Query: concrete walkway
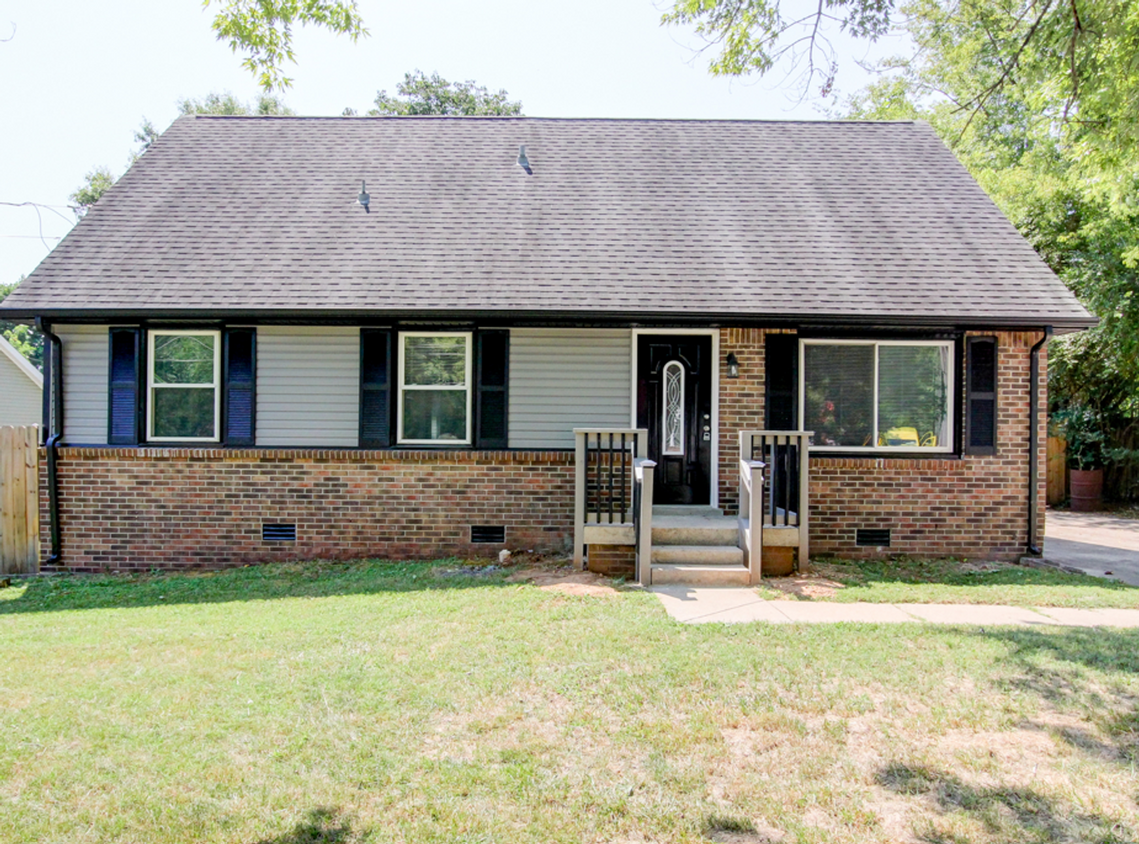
699 605
1093 543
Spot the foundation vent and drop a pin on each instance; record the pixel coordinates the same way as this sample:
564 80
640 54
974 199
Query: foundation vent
873 537
492 534
278 533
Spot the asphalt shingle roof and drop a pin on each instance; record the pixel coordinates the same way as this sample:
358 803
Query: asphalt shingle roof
855 221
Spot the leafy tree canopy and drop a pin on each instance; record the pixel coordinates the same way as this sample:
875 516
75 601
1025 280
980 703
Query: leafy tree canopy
422 94
263 31
26 340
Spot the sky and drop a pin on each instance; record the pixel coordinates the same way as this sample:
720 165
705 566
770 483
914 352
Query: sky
77 77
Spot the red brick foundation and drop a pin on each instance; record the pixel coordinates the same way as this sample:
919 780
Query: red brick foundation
612 560
137 509
959 506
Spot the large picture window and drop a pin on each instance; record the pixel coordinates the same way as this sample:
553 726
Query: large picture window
878 395
182 382
435 388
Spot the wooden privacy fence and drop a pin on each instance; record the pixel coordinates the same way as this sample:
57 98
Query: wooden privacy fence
1057 471
19 500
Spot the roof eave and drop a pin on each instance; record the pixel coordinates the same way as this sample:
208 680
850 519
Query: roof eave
1061 324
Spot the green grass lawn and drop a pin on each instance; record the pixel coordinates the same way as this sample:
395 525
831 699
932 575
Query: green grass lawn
383 702
946 581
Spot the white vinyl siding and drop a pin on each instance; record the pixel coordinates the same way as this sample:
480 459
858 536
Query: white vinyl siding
85 371
23 400
561 379
308 386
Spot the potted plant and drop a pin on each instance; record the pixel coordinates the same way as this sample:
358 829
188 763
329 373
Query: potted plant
1086 456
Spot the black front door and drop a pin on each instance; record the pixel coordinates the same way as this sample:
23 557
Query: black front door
674 402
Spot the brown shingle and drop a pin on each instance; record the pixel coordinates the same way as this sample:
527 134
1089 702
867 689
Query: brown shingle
744 218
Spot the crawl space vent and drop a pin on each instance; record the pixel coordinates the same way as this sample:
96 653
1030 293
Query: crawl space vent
874 537
278 533
494 534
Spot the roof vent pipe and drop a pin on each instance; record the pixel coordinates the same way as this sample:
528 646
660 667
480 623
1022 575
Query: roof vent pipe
364 198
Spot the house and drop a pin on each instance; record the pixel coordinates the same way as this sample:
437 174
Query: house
284 338
21 389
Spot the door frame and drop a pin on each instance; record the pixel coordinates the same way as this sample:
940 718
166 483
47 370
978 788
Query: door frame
714 333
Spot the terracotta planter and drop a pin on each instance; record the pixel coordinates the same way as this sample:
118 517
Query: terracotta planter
1087 490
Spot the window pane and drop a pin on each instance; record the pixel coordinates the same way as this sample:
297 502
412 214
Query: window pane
839 394
184 358
913 396
435 361
435 414
182 412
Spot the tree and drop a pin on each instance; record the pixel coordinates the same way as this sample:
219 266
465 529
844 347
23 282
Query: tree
422 94
25 339
263 30
95 184
227 103
100 179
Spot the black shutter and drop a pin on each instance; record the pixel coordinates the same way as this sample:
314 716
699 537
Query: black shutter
492 363
240 397
981 396
124 387
375 388
781 364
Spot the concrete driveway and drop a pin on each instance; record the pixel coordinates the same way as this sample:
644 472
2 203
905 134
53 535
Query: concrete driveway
1094 543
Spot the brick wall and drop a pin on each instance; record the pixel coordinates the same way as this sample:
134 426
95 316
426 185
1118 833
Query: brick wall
967 506
137 509
741 405
612 560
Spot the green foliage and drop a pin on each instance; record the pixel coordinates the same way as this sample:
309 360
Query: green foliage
1083 429
25 339
227 104
95 184
263 31
755 36
422 94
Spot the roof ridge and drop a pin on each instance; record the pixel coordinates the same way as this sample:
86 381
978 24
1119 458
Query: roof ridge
517 117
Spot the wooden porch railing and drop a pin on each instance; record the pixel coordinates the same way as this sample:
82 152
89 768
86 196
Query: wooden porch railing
779 460
613 487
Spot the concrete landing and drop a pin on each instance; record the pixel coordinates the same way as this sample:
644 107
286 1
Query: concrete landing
739 605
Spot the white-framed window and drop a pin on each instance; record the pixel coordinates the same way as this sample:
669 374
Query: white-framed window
183 386
434 388
877 395
672 409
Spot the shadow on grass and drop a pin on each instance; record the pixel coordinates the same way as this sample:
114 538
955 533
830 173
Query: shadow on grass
1007 813
323 826
269 581
1054 665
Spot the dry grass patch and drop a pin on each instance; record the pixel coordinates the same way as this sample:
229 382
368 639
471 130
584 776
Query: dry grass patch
375 702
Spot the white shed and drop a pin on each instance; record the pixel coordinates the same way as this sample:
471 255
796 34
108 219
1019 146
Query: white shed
21 388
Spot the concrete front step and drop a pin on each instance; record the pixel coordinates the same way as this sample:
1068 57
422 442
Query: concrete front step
685 510
698 555
688 575
695 530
